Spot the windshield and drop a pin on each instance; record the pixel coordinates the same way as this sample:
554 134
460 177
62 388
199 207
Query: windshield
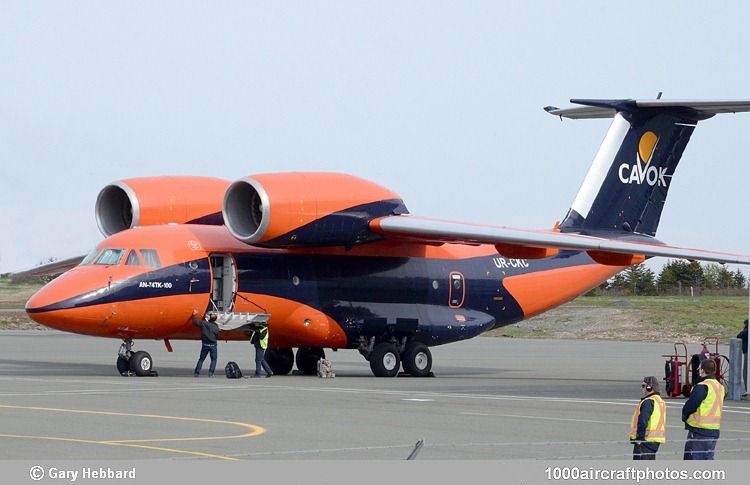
109 256
90 256
133 259
151 258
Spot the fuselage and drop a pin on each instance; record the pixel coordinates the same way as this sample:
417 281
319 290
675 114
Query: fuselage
144 283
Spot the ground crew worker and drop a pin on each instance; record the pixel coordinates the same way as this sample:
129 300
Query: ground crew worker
209 336
702 414
648 428
259 338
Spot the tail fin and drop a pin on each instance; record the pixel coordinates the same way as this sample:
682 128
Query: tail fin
627 183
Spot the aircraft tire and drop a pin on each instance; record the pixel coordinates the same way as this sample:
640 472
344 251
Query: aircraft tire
385 360
417 359
141 363
307 359
280 360
123 365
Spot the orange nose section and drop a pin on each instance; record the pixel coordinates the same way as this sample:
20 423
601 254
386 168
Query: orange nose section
60 303
62 288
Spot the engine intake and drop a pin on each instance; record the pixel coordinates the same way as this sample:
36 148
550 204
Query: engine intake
148 201
306 209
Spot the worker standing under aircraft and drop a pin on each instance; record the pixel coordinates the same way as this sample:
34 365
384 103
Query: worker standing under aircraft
702 414
209 336
259 338
648 427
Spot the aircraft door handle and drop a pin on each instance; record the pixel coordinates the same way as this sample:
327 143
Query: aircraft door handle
192 280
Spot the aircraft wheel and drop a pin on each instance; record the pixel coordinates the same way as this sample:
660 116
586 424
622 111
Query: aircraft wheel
385 360
307 359
123 365
140 363
417 359
280 360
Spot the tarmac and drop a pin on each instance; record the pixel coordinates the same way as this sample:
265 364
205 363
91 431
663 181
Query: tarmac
490 399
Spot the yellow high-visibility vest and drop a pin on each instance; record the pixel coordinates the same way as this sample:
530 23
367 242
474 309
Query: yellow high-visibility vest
708 414
656 428
261 334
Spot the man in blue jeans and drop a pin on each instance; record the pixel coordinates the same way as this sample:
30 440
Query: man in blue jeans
258 334
209 336
702 414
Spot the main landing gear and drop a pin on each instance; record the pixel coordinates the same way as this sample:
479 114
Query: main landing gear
137 363
282 360
307 359
387 357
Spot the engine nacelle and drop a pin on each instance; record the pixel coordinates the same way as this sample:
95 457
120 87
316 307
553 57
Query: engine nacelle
306 209
149 201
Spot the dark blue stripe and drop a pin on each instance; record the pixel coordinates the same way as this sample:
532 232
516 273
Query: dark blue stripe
347 227
215 219
168 281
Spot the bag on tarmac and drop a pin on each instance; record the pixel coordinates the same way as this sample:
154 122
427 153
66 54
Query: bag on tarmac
325 368
233 371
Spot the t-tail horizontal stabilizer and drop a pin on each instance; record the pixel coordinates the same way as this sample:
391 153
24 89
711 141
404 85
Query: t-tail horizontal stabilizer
600 108
616 212
626 186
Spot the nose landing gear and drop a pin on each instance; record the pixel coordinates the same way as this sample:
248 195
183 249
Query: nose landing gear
131 363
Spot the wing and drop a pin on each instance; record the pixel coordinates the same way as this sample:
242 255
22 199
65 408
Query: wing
50 269
510 241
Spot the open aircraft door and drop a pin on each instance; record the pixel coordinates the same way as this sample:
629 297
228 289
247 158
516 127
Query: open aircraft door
224 294
223 282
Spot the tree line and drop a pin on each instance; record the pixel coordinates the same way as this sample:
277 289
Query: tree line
677 277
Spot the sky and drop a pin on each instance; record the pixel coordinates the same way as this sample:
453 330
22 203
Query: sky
439 101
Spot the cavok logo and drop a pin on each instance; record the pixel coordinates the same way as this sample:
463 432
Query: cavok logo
642 171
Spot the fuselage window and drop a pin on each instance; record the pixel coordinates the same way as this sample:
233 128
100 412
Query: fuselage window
89 257
110 256
133 259
151 258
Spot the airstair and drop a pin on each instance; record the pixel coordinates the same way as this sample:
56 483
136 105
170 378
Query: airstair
236 320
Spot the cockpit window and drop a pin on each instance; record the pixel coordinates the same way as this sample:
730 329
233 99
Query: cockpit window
89 257
151 258
133 259
109 256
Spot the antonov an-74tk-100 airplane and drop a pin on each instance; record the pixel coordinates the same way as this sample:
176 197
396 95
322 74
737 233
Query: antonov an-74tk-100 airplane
334 261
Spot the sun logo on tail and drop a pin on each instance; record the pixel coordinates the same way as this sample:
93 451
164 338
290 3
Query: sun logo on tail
644 172
646 146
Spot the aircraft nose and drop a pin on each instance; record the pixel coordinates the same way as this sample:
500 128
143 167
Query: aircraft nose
60 303
55 293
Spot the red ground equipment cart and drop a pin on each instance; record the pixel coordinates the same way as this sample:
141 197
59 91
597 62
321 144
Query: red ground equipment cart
681 373
721 361
675 372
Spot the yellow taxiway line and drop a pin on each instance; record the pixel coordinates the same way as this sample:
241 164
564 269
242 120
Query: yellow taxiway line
254 430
